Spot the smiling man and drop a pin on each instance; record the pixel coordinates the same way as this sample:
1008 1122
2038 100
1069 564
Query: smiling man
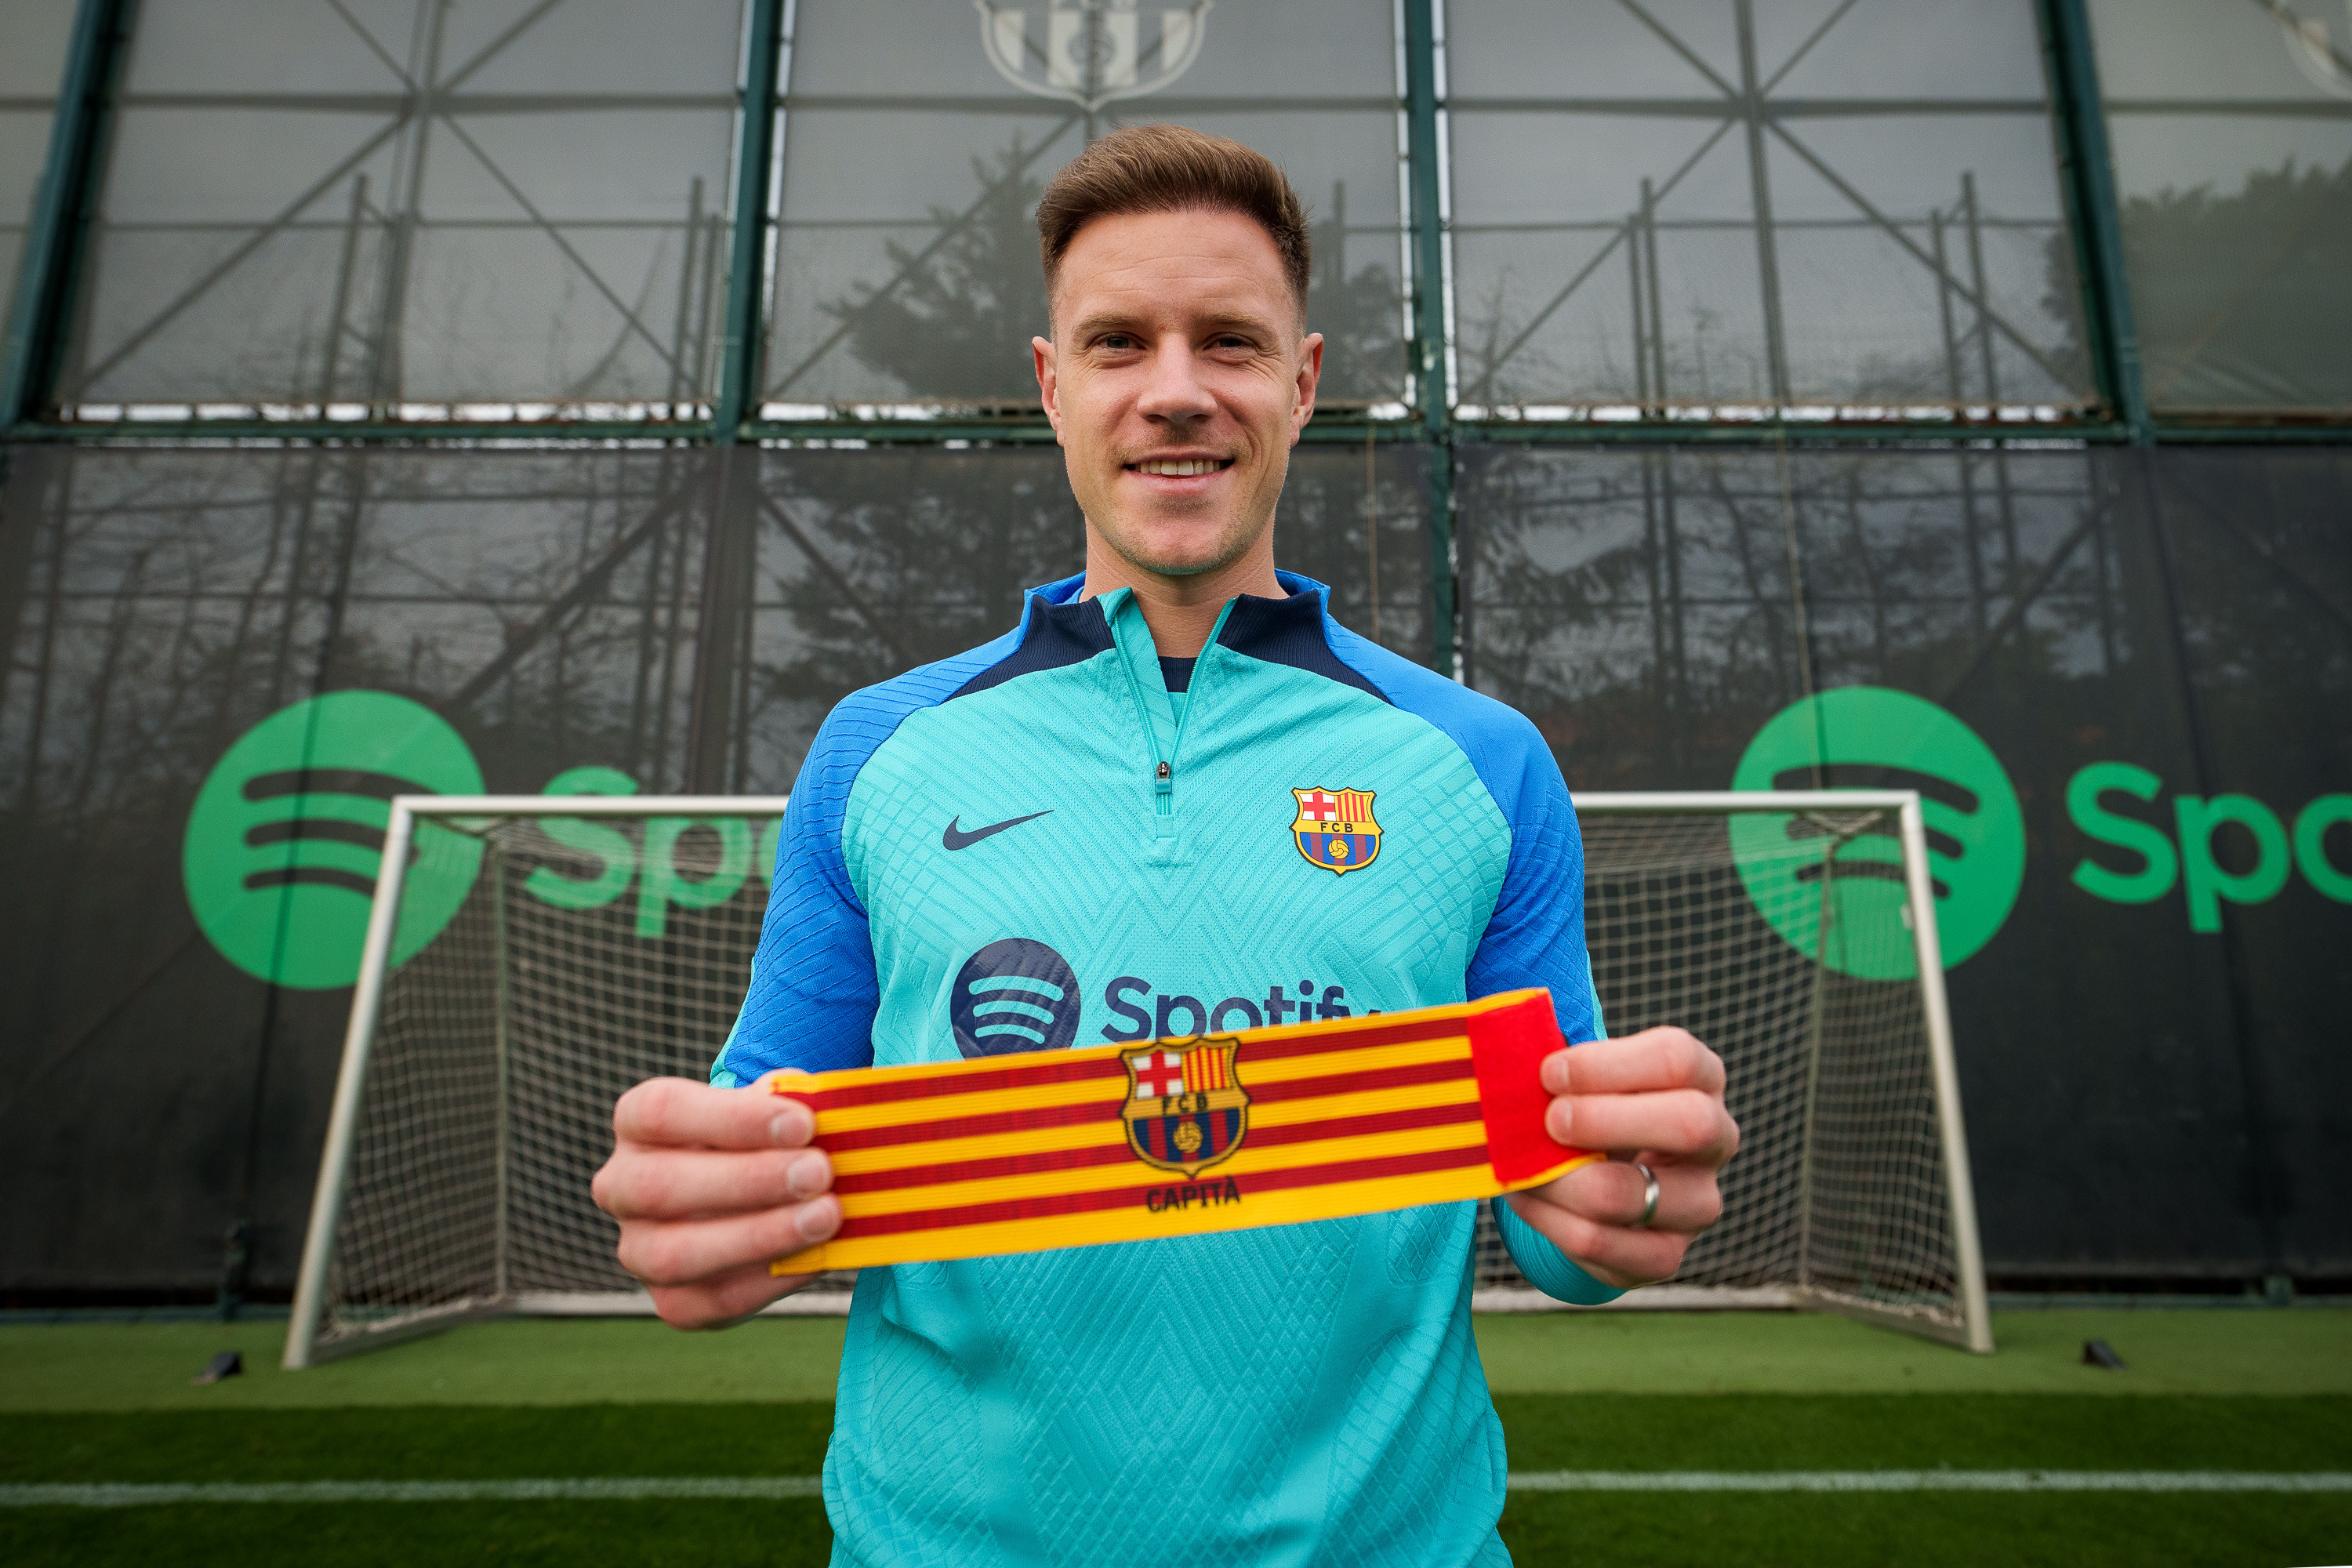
1107 825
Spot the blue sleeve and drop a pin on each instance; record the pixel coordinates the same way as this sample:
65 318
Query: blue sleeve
1547 1268
1536 934
1536 937
812 995
814 991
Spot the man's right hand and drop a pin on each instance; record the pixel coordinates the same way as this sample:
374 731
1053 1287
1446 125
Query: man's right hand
710 1184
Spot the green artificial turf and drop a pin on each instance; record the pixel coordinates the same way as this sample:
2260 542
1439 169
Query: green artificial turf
1544 1432
636 1360
573 1360
1592 1431
2211 1389
662 1534
1906 1432
420 1442
2197 1351
1615 1529
1731 1530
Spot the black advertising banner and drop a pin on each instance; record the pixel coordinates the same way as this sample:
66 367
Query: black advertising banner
198 635
2124 678
2258 548
2127 676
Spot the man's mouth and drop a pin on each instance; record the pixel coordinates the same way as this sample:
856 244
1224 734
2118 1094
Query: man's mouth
1180 468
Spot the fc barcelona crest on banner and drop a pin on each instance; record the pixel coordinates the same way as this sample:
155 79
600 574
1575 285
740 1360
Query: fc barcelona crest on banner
1186 1108
1093 52
1335 828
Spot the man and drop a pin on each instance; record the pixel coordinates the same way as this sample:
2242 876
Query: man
1093 814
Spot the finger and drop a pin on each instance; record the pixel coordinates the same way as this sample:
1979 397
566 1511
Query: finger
1684 1124
639 1182
677 1112
688 1252
725 1300
1630 1064
1610 1253
1613 1194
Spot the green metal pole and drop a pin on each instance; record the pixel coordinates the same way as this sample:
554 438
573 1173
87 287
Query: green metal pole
738 372
1428 348
729 546
63 204
2087 167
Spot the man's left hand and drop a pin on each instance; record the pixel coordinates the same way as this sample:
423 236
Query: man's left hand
1654 1098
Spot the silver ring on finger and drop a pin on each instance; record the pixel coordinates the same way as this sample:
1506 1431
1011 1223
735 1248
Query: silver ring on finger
1649 1195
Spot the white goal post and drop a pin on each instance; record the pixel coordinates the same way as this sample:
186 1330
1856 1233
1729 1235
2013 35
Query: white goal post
529 957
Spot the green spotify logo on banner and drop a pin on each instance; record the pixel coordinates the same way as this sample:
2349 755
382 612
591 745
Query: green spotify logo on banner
1867 737
286 835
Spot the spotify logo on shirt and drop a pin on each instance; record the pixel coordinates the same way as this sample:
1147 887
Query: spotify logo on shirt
1014 995
286 834
1867 737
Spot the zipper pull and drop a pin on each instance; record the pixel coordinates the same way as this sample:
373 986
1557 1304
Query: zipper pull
1165 781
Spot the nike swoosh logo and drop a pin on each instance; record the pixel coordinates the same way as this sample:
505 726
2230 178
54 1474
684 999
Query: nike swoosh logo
955 839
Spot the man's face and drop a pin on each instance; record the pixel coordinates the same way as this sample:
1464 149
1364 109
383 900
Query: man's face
1177 381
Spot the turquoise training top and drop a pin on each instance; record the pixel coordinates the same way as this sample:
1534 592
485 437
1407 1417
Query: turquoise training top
1037 845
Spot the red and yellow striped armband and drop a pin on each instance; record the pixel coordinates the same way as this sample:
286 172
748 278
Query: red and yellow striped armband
1180 1137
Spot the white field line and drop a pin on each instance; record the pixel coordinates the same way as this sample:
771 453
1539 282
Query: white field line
586 1489
1930 1481
770 1487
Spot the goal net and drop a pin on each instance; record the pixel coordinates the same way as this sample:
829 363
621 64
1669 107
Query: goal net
1794 933
529 959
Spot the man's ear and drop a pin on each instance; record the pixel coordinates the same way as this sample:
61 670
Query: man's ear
1311 373
1049 387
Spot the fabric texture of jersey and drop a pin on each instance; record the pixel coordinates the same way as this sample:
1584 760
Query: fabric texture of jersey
1032 845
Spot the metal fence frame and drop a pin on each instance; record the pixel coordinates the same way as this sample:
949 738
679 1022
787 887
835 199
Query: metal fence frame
56 255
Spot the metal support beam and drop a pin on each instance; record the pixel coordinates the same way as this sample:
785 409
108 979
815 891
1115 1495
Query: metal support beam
2088 180
1430 389
1759 185
63 206
730 548
738 369
729 562
1329 427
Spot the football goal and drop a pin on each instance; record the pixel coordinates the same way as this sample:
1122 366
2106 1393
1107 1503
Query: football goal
530 958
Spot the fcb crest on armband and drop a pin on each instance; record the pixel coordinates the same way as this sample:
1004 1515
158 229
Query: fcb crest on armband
1335 829
1186 1108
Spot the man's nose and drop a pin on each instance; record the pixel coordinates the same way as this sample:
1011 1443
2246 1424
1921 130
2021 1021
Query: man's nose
1174 390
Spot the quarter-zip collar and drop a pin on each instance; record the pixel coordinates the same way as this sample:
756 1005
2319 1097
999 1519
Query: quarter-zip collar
1162 721
1058 627
1288 630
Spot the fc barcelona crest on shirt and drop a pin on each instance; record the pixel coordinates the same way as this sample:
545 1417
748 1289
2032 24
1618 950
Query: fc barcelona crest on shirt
1186 1108
1335 829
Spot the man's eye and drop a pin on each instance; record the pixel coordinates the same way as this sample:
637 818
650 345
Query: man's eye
1116 342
